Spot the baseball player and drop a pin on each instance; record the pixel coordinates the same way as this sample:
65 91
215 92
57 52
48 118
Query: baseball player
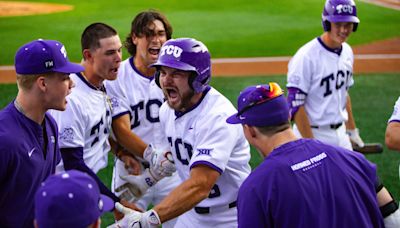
211 156
392 137
136 101
302 182
70 199
84 127
319 77
29 149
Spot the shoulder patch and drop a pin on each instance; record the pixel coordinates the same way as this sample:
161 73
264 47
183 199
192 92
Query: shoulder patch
203 152
67 134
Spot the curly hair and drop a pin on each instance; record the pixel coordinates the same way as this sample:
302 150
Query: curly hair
139 28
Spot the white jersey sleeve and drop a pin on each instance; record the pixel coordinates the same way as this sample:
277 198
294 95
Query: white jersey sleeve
396 112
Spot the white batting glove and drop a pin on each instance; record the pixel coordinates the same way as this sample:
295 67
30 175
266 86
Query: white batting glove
138 185
161 163
135 219
393 220
355 137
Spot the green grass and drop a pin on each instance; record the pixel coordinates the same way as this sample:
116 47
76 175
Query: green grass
230 28
373 97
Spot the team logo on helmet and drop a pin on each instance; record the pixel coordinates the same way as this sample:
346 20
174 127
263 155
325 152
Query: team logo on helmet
171 50
347 9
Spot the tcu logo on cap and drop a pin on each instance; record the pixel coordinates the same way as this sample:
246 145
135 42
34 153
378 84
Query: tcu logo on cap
171 50
344 9
63 51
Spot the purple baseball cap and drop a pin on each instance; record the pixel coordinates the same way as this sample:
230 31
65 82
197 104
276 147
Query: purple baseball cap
42 56
261 105
70 199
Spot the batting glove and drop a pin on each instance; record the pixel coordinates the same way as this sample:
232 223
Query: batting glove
393 220
135 219
138 185
355 137
161 163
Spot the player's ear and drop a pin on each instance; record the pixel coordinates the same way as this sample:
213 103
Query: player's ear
134 39
87 55
41 83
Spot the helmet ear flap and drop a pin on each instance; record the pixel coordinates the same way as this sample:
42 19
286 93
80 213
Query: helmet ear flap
157 78
355 26
327 25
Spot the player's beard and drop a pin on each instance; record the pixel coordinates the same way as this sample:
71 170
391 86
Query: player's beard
185 101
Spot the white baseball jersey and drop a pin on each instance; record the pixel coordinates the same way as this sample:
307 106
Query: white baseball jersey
85 123
325 77
141 98
137 95
396 112
202 136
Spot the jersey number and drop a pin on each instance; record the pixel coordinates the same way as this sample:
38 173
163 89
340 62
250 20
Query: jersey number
140 106
177 145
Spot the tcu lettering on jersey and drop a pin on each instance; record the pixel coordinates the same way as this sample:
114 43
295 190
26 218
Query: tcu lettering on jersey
339 80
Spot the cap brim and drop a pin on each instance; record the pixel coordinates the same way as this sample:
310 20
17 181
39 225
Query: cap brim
69 68
234 119
108 203
335 19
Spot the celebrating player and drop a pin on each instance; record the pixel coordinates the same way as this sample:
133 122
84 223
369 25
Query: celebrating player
392 137
29 149
136 101
393 129
319 77
303 182
85 125
211 156
70 199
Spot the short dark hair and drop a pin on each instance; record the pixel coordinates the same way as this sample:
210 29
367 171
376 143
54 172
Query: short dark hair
93 33
271 130
139 28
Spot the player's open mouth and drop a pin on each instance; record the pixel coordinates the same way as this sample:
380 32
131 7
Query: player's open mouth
154 51
172 93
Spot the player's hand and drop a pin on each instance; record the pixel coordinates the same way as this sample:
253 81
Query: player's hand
135 219
138 185
131 164
161 163
119 215
355 137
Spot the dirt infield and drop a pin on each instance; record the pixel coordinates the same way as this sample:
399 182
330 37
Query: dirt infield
377 57
15 8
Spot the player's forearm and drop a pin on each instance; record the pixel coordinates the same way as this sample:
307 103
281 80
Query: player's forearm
181 199
302 123
392 136
125 137
350 123
188 194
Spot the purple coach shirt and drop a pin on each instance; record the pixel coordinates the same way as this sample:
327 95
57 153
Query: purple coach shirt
23 164
305 183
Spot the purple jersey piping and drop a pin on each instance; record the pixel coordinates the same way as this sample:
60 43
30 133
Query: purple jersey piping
206 163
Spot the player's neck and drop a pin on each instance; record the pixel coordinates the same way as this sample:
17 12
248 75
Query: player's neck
273 142
91 76
30 106
143 68
329 42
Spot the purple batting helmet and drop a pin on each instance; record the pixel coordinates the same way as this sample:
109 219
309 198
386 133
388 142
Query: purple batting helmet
187 54
339 11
